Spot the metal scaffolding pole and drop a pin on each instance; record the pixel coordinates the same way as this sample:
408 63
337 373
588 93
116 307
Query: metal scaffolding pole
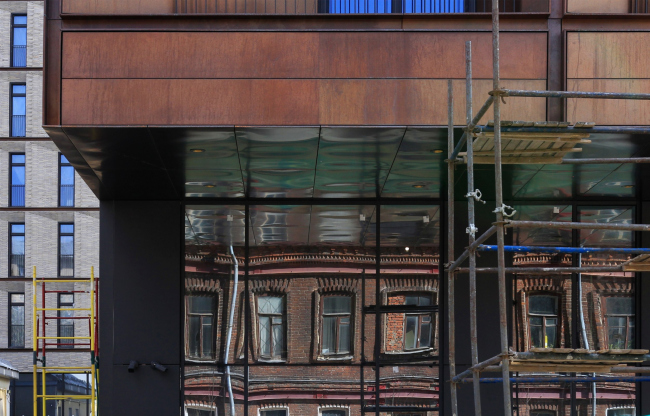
565 250
498 179
543 379
577 225
451 317
566 94
471 229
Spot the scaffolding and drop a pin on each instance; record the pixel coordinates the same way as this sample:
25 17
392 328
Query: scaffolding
42 341
557 140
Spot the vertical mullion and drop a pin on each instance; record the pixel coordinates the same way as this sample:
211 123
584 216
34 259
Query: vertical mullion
247 308
377 303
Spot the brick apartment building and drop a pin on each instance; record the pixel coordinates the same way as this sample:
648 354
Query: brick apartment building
272 186
48 216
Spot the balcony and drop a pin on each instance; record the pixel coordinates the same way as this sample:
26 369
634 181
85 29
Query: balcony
17 266
66 265
356 6
17 196
18 126
19 56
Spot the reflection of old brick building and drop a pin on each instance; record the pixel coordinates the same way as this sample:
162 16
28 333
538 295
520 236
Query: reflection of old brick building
304 279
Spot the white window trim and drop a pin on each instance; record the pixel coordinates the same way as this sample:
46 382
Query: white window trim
272 407
346 409
213 409
621 407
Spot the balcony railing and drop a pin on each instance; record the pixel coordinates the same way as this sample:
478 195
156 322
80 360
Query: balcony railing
17 266
17 195
18 126
19 56
357 6
67 196
66 265
17 336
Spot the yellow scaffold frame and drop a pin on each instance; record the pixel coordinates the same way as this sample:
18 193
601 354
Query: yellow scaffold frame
92 369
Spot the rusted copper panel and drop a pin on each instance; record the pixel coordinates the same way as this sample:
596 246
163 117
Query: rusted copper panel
117 6
295 55
608 55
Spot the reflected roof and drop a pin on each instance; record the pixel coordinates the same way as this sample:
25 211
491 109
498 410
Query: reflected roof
313 225
150 162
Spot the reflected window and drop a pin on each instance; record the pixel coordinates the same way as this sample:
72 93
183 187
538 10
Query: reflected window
337 311
619 314
271 323
333 412
65 327
274 412
16 320
542 413
543 321
200 327
418 327
622 411
19 40
17 250
199 412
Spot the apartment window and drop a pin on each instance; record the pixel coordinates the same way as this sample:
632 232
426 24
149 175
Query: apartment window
17 250
619 314
18 110
271 322
65 327
66 249
390 6
543 320
621 411
200 327
418 327
274 412
17 320
66 182
17 172
19 40
337 311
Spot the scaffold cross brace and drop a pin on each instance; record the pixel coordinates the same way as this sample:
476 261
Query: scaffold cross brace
476 195
502 209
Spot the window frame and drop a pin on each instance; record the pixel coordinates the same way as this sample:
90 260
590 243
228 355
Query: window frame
11 110
557 316
262 411
60 185
11 235
61 304
619 408
345 410
321 318
11 44
419 315
10 304
62 234
284 353
606 315
11 176
215 309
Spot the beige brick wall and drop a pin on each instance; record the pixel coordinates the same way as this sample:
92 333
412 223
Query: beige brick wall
86 243
42 168
83 197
